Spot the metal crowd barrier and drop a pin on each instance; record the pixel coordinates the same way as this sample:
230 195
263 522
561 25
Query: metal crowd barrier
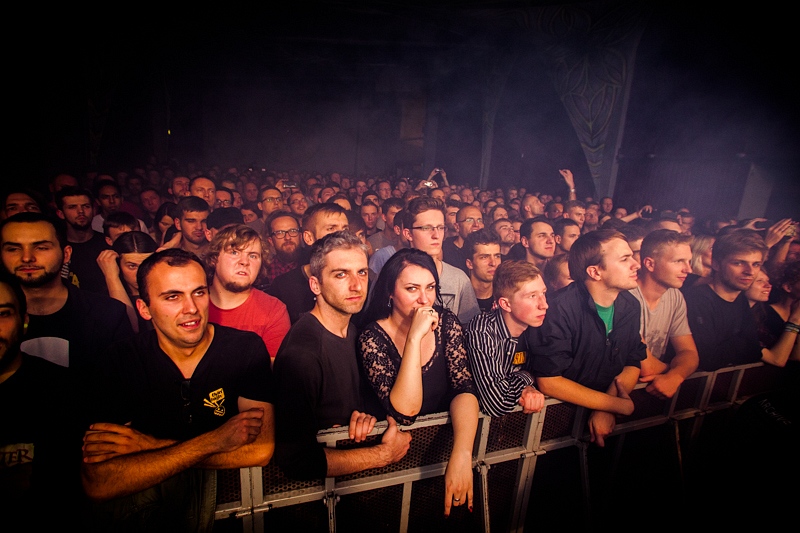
409 495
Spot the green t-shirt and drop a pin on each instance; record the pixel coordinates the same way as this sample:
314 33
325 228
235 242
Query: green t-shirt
607 316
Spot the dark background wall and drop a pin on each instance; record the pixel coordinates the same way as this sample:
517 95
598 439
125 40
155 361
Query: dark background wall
331 86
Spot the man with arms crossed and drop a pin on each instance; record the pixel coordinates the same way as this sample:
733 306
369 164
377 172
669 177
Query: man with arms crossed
666 261
589 350
317 375
173 405
498 364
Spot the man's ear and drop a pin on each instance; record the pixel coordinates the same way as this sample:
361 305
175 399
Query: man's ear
67 254
313 284
649 263
504 304
557 238
523 241
308 237
177 224
109 241
144 311
469 264
593 272
60 214
408 235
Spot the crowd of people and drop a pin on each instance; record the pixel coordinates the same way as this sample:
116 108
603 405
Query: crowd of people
137 308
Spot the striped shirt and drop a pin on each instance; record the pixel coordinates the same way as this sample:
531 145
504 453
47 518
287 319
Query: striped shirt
496 364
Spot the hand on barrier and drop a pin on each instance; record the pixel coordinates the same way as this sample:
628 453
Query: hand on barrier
360 425
531 400
601 424
395 443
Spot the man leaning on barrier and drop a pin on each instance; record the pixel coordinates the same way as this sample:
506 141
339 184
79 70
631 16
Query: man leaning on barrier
317 376
172 406
589 351
498 363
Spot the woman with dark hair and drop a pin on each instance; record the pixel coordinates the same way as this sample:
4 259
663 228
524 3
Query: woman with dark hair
120 265
162 221
412 351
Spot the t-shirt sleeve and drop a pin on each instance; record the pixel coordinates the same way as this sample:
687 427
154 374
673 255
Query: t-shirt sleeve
680 321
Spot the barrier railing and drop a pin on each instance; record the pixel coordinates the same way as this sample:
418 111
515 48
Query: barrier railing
408 495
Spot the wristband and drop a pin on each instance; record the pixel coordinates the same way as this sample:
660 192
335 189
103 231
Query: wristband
572 190
791 327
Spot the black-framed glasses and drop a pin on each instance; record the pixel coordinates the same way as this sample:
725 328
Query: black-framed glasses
280 234
187 400
430 229
472 220
271 199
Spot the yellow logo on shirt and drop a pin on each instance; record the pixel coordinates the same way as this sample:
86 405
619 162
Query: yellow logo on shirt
215 400
519 358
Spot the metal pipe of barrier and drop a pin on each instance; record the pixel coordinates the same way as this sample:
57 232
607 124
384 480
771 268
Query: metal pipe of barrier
505 455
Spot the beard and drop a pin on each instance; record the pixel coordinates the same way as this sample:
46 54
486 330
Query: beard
288 257
81 227
41 281
232 286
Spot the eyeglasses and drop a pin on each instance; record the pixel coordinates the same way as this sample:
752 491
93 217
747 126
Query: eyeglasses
472 220
280 234
187 400
271 199
298 201
224 203
429 229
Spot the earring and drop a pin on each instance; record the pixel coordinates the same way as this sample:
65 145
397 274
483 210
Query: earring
389 305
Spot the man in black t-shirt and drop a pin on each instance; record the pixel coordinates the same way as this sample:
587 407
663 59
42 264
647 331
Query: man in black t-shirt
68 326
173 405
316 371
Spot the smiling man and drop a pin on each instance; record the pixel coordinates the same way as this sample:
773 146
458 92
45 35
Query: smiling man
719 315
235 261
173 405
589 350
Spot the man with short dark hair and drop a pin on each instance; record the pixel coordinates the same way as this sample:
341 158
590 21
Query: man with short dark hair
75 209
589 350
270 200
566 231
150 460
575 210
482 249
192 223
68 326
719 314
538 241
423 228
369 214
317 372
178 188
508 237
108 195
292 288
387 236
